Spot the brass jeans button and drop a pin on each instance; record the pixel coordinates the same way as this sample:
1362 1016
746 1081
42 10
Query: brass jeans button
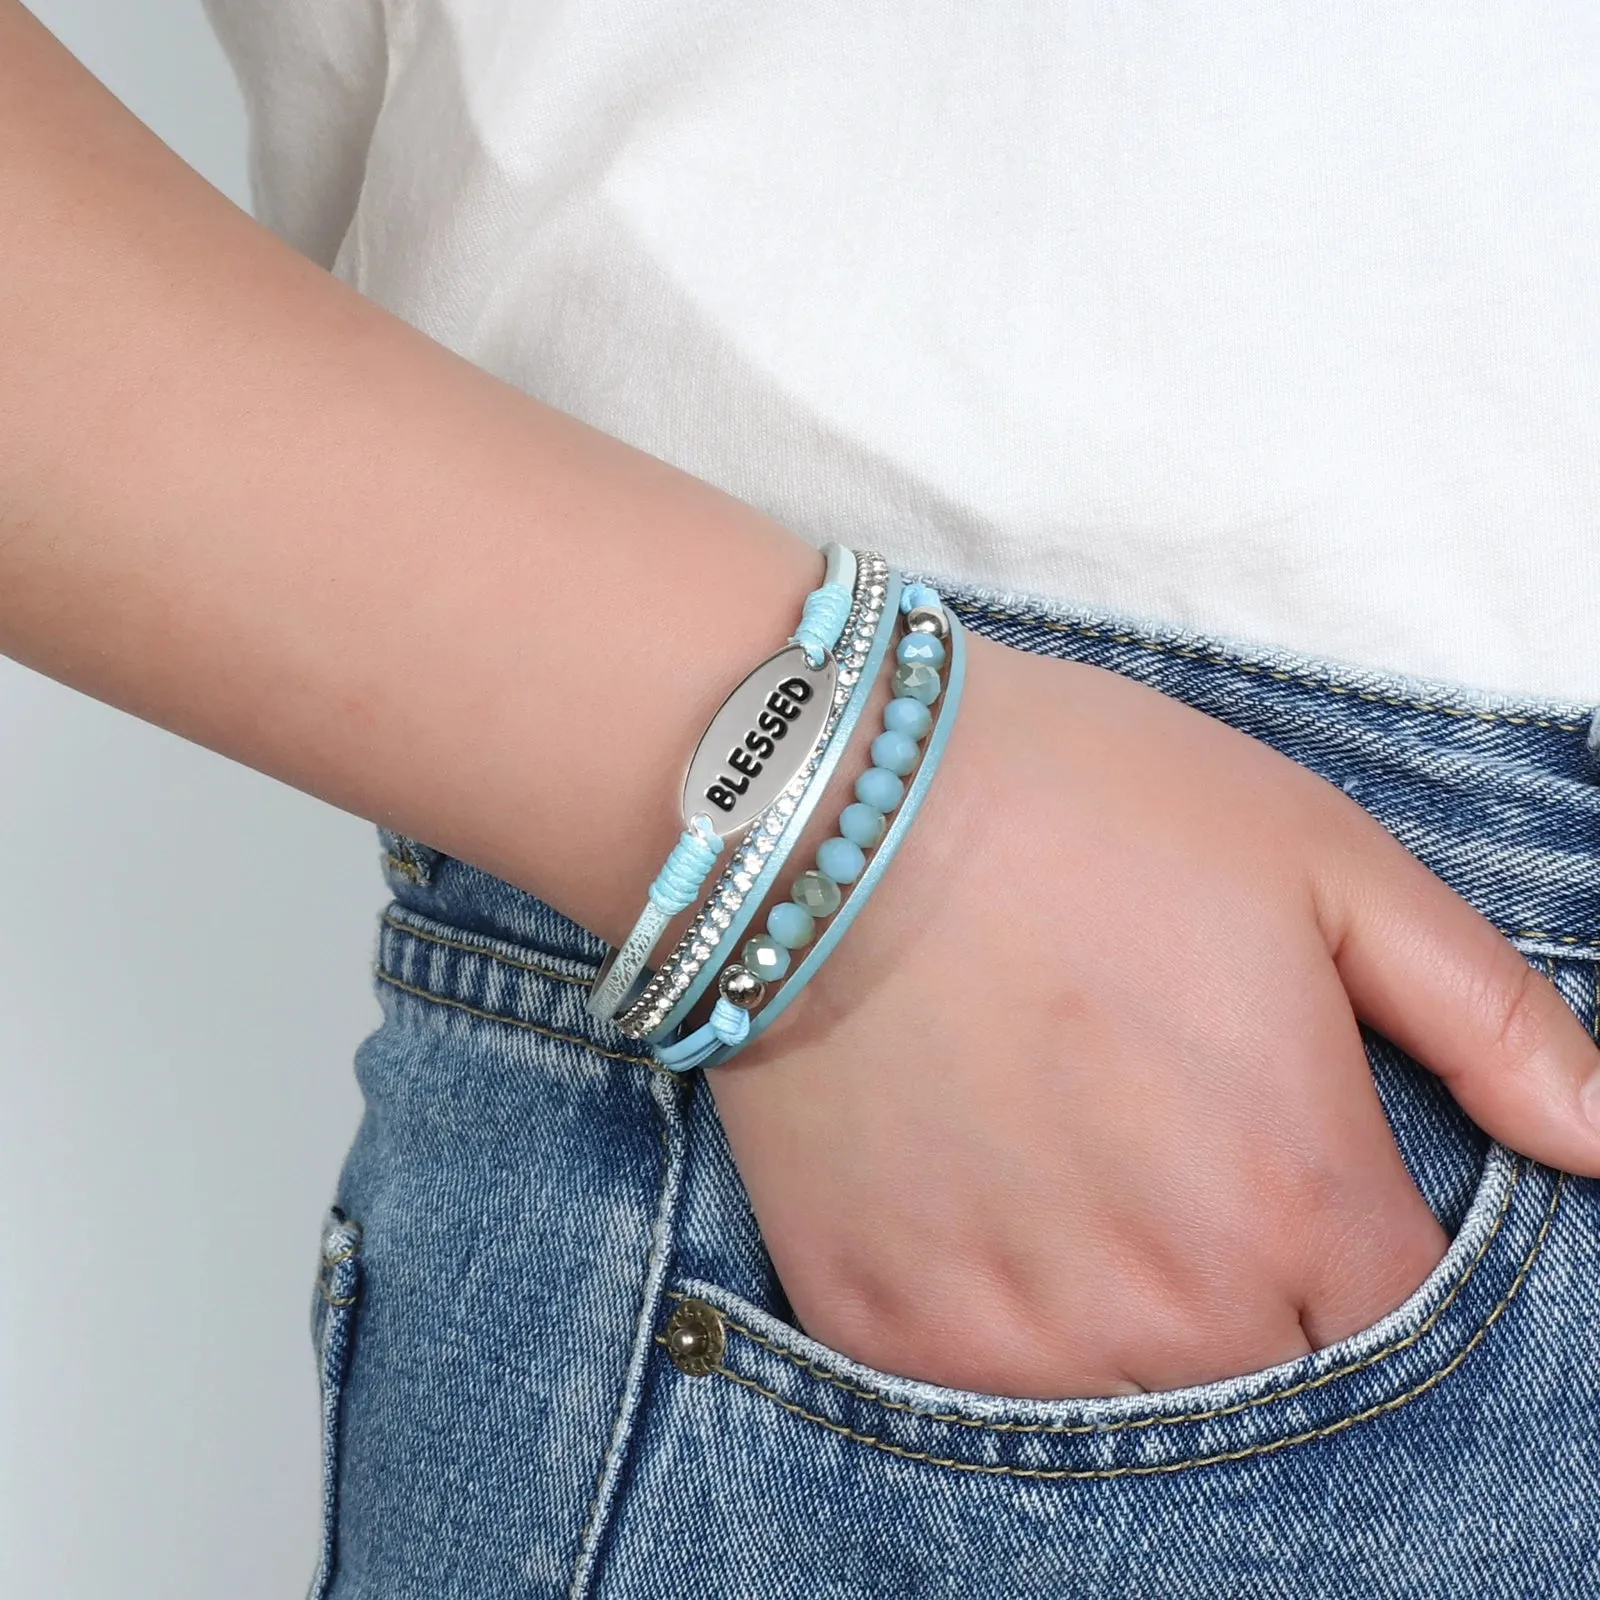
695 1338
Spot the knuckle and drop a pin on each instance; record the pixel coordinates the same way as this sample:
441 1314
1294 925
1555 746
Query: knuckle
1515 1007
1369 1266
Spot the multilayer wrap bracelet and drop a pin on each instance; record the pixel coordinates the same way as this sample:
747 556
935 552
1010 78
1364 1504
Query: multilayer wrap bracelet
723 917
760 770
758 987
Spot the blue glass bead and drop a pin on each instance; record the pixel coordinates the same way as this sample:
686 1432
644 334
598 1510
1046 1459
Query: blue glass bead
765 957
921 649
862 825
792 926
840 860
916 682
894 752
880 789
814 893
909 717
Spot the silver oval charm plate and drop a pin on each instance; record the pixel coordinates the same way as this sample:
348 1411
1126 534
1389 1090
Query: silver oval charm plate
766 731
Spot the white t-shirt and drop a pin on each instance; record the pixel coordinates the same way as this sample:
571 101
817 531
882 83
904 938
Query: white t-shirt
1276 320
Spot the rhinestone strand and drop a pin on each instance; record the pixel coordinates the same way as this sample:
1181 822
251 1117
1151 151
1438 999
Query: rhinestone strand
700 939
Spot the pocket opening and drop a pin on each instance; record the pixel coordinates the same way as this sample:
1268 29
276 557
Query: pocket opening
1368 1375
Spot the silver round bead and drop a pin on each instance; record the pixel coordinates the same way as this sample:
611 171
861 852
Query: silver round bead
928 619
741 987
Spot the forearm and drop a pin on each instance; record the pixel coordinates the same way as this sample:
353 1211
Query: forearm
245 503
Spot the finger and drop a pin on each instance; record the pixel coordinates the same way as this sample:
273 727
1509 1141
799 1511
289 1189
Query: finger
1427 971
1375 1241
1274 1337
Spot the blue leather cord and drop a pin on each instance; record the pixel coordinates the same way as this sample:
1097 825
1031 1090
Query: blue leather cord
728 1025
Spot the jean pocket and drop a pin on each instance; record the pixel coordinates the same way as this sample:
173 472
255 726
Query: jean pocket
333 1323
715 1337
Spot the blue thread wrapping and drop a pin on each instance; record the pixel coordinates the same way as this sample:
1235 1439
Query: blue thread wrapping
727 1026
685 871
822 620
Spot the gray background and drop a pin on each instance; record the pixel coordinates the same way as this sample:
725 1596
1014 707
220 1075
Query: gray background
184 956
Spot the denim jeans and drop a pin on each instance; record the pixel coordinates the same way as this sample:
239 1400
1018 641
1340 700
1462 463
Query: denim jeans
528 1204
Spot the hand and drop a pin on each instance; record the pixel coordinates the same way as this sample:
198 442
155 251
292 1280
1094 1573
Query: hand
1080 1106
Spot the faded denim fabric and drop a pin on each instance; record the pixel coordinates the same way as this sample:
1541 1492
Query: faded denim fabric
528 1201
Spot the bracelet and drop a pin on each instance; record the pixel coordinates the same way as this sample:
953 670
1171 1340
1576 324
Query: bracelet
933 637
771 724
672 992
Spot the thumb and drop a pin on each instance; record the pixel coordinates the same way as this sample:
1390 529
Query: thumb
1427 971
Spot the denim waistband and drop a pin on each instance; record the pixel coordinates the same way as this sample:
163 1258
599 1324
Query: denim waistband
1499 796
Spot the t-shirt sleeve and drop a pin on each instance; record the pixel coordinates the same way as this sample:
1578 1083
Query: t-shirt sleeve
313 69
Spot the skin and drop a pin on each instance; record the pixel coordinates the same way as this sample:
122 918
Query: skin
1094 1028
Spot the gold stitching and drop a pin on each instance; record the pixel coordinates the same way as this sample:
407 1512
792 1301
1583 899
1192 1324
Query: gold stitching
405 866
1423 1328
517 1022
1244 1454
391 921
1216 659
